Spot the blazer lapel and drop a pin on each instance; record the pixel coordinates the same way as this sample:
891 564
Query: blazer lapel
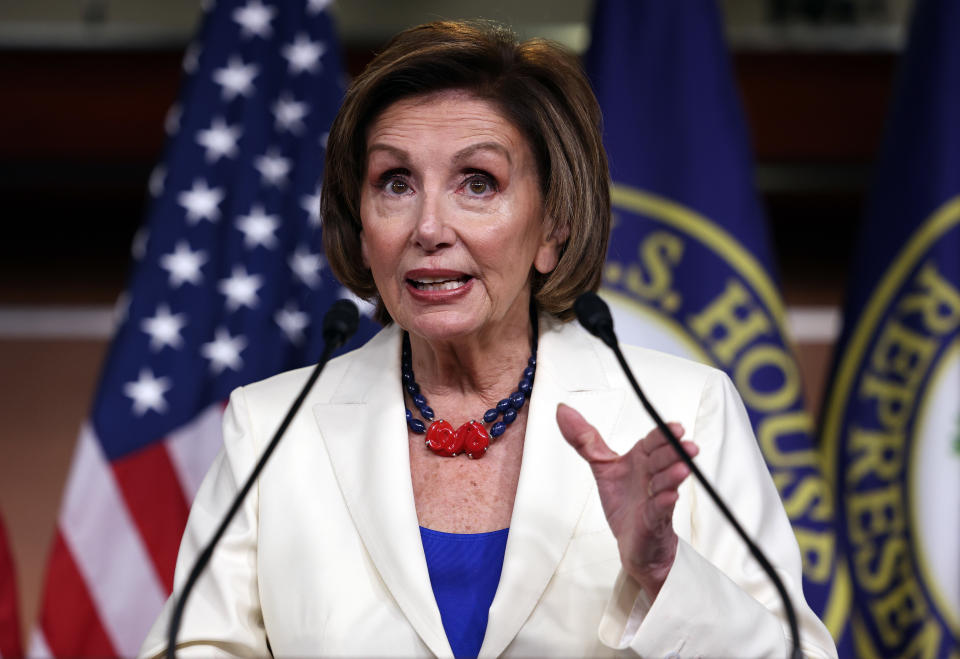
554 481
367 407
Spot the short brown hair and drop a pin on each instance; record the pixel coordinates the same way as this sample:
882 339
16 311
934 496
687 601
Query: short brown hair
538 86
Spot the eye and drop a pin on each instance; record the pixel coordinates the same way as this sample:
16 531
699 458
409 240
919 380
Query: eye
477 186
480 184
394 182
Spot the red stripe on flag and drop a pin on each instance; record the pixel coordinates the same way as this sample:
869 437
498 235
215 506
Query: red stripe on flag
69 617
9 619
154 496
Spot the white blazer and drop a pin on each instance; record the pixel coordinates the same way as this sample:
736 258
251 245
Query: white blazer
325 559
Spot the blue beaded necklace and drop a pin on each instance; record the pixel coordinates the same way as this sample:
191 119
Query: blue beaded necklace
470 438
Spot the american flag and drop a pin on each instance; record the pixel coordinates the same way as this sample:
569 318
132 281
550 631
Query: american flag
229 286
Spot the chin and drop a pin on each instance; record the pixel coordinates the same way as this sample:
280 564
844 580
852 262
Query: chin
442 325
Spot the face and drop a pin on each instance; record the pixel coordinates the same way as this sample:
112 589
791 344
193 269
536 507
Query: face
453 219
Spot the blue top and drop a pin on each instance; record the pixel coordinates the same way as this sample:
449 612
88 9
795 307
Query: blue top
464 572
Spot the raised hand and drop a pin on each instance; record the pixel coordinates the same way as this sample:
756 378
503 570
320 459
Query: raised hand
638 491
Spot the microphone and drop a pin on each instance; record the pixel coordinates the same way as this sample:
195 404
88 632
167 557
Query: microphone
594 314
339 324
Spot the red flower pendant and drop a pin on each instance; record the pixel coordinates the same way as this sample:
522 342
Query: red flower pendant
471 438
442 440
475 439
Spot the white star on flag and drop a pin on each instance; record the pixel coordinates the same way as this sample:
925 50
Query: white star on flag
147 393
202 202
311 204
306 266
236 79
317 6
219 140
191 57
164 328
258 228
289 114
121 308
303 54
273 168
183 264
139 247
224 351
240 289
157 178
171 122
255 19
292 321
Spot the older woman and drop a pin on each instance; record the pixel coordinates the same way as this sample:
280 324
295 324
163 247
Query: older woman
466 190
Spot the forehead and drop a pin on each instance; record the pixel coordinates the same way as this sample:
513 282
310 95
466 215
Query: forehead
453 118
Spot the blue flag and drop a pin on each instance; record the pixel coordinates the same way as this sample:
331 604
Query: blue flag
229 286
689 269
892 418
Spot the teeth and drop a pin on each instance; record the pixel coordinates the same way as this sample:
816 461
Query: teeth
438 284
431 280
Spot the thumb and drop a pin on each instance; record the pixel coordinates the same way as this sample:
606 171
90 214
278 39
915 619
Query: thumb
582 436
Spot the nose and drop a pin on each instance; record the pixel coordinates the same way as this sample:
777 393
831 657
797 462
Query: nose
433 230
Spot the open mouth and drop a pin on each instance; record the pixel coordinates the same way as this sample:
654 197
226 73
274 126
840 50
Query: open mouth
438 283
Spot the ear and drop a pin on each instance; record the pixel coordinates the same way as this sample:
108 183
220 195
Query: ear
548 254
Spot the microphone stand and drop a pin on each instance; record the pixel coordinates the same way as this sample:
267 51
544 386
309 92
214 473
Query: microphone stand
594 315
339 324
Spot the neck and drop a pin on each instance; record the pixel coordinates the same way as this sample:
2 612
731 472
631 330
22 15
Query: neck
485 365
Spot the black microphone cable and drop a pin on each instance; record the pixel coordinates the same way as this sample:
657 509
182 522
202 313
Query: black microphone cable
594 315
339 324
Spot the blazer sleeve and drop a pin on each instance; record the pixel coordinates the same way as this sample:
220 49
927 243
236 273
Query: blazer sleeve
222 616
716 600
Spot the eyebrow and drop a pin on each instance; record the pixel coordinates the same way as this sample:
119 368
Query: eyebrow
465 153
400 153
460 155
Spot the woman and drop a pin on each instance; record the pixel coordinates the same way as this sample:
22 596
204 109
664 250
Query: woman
466 190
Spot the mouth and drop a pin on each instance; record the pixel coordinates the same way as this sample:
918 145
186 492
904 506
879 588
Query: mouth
439 283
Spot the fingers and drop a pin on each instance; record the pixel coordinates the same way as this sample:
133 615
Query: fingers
666 455
667 479
655 439
666 470
582 436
